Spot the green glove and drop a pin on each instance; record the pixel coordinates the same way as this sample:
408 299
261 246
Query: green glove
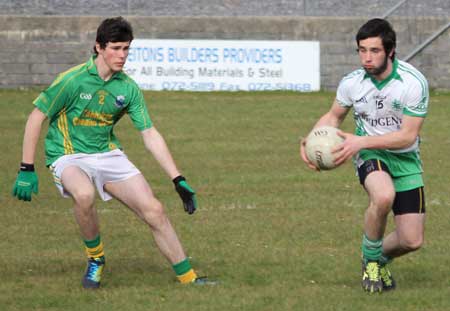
186 194
26 182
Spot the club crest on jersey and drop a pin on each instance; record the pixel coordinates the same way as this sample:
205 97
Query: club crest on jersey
397 105
120 101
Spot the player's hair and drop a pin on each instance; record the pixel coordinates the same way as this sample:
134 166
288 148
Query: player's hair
378 27
116 29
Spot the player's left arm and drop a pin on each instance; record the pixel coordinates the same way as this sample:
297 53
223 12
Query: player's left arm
400 139
155 143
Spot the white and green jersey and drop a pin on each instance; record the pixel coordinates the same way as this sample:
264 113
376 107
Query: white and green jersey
83 109
379 106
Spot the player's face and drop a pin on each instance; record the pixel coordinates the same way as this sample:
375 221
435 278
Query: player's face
373 57
114 54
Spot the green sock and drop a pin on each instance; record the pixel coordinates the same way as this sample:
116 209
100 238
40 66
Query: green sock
371 249
184 271
385 259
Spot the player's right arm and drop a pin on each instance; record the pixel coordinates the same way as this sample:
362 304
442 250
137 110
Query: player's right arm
334 117
27 180
47 105
31 136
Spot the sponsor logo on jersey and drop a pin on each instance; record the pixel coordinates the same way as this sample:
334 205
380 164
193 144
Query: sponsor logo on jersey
120 101
362 100
380 97
384 121
364 115
85 96
102 93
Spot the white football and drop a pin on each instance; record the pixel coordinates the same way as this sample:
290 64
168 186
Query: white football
319 144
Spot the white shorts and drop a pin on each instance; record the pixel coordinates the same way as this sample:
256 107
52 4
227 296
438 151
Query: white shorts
101 168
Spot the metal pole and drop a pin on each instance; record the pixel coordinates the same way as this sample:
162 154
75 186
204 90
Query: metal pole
395 7
426 42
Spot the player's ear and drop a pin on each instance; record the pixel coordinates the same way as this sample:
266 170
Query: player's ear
97 47
391 53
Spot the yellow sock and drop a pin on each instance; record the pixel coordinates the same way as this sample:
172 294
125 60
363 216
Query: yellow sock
188 277
94 248
184 271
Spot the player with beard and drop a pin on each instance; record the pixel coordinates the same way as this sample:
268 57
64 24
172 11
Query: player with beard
389 98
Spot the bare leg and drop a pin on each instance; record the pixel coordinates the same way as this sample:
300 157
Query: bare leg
381 193
136 193
408 235
80 187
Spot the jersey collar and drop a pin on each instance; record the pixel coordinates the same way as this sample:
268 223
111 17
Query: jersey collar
394 75
92 69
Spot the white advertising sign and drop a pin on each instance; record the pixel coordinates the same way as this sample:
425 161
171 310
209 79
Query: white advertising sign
224 65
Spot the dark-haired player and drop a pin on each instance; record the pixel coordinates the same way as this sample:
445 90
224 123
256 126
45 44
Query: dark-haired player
82 106
389 99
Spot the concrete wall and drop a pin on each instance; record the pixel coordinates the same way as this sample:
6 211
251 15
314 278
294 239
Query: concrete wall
224 7
36 48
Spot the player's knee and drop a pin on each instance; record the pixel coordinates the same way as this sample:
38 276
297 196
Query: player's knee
384 201
154 214
84 197
412 243
379 208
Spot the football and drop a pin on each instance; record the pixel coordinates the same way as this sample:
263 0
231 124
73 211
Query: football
319 144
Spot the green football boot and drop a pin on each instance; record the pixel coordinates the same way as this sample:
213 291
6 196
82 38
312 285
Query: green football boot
371 279
386 278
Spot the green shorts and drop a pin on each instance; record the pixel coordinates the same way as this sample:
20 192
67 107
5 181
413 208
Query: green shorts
404 168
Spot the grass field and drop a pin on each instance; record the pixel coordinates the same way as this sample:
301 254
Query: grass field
277 235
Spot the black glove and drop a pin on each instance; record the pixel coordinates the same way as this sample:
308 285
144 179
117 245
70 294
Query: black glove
186 193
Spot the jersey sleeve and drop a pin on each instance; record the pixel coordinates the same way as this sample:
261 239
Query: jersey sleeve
417 97
343 93
137 110
52 100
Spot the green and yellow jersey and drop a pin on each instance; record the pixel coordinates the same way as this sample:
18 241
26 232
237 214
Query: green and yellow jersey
83 109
